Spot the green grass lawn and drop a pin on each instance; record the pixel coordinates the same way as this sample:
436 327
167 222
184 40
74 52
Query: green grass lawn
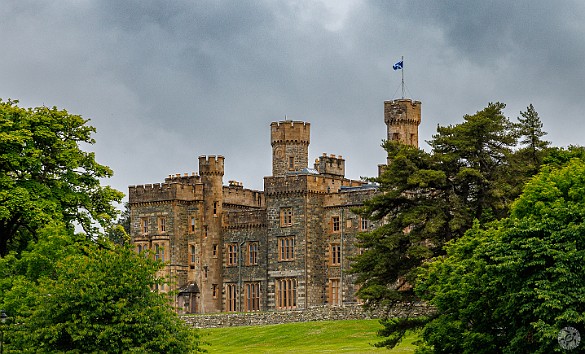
351 336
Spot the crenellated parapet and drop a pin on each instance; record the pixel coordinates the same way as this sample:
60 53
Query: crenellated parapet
290 146
158 192
402 118
289 131
330 165
211 165
235 194
295 184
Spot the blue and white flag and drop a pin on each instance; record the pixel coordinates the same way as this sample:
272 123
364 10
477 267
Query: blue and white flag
398 66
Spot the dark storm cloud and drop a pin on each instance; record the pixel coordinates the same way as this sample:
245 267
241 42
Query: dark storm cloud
166 81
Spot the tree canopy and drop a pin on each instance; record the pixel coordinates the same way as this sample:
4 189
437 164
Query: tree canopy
512 287
45 175
67 293
430 198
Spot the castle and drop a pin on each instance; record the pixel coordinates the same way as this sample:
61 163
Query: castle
228 248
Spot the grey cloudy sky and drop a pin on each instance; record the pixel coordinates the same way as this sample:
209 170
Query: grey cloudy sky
167 81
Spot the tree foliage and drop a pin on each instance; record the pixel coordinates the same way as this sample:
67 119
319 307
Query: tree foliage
429 199
45 175
512 287
70 294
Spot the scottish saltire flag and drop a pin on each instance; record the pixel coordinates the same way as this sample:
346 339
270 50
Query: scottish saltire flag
398 66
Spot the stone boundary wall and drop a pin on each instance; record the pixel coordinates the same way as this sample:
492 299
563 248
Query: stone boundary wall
319 313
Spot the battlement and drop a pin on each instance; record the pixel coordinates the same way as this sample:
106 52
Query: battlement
289 131
158 192
403 109
237 195
184 179
211 165
307 183
330 165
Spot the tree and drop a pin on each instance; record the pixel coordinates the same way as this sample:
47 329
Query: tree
512 287
45 175
530 128
70 294
429 199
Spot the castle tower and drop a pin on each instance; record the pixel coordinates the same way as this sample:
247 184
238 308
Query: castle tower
290 146
402 117
211 169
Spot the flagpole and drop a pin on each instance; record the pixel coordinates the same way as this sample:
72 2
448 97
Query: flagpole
402 69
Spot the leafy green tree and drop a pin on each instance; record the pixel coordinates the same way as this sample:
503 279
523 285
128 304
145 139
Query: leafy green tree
428 199
512 287
45 175
70 294
119 231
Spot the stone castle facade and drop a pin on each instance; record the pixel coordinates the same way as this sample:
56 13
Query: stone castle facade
232 249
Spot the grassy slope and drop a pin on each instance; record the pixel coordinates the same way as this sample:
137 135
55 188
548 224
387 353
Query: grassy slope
352 336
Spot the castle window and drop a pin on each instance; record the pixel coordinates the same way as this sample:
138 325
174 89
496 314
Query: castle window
335 254
214 208
144 225
252 300
159 252
395 136
253 253
205 231
334 292
232 254
192 255
286 217
335 224
231 297
364 224
141 247
162 224
286 248
286 293
214 250
192 225
214 290
291 163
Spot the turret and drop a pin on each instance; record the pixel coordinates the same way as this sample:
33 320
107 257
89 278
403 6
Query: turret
211 169
290 146
402 117
330 165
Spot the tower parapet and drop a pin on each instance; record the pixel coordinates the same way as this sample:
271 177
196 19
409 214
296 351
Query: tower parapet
330 165
211 165
402 117
290 146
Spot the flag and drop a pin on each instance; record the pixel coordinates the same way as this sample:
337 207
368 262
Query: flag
398 66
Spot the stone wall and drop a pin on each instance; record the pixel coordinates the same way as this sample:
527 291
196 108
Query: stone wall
318 313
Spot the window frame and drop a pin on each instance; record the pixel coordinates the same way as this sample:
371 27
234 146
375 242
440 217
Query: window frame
231 297
286 293
252 257
286 248
286 217
335 224
231 254
335 254
252 296
162 224
334 292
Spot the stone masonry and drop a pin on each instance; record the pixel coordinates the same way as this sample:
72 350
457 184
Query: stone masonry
286 248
